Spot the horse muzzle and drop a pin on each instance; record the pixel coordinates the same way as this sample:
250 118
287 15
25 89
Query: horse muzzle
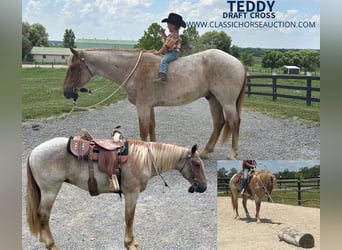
197 187
71 92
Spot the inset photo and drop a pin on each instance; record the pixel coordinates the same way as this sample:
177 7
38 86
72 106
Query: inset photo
268 204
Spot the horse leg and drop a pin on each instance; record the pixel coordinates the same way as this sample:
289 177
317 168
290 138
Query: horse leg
235 205
152 128
218 122
257 205
130 204
244 203
234 198
44 210
144 113
233 125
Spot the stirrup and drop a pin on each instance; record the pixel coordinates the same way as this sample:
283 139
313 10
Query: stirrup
115 183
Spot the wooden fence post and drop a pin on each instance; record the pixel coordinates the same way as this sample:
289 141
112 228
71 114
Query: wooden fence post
274 87
308 91
249 86
299 196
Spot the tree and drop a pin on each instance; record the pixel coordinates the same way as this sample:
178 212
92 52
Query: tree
292 58
235 51
310 60
272 59
217 40
26 44
32 35
190 38
69 39
151 39
247 59
232 172
222 172
38 35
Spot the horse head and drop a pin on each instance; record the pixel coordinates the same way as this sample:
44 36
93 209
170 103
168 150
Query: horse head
78 74
193 171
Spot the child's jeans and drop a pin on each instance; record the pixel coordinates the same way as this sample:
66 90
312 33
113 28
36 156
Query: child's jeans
167 58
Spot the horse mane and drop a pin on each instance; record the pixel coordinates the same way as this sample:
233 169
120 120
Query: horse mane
165 156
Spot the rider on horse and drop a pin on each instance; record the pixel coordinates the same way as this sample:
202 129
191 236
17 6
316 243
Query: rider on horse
247 165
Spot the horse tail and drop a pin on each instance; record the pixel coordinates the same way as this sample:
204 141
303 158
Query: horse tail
241 97
33 196
271 184
233 194
226 129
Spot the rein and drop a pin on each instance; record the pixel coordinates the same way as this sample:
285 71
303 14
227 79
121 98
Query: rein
263 186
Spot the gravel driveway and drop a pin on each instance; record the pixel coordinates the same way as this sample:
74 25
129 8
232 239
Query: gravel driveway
165 218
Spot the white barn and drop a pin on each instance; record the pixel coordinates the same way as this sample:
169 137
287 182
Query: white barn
291 70
50 54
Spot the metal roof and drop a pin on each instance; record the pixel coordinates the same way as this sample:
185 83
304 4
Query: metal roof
50 51
83 43
291 67
105 41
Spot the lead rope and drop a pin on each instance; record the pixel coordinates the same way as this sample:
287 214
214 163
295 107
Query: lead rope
114 92
154 165
120 86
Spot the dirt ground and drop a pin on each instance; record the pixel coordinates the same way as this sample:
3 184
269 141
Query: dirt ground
247 234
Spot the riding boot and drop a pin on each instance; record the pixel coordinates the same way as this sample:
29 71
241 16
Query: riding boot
162 77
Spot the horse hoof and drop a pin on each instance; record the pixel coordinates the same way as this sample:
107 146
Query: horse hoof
231 156
258 221
132 245
204 155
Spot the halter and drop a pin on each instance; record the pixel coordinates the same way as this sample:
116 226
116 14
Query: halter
186 161
82 59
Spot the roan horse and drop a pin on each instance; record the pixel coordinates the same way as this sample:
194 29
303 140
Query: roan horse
260 183
213 74
50 165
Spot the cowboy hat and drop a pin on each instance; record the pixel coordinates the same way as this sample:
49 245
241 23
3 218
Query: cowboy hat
175 19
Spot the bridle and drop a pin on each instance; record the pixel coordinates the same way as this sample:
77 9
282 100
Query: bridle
188 158
82 59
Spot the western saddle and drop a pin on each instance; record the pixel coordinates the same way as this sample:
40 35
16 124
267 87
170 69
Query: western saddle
108 153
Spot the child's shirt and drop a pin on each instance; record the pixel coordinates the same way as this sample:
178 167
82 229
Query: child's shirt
173 41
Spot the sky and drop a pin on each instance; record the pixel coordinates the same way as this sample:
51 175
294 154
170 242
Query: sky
275 166
128 19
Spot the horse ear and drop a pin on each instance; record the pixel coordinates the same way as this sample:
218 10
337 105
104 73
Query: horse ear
75 52
194 149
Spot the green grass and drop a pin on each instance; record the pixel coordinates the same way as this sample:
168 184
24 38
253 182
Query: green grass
42 95
284 107
310 198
